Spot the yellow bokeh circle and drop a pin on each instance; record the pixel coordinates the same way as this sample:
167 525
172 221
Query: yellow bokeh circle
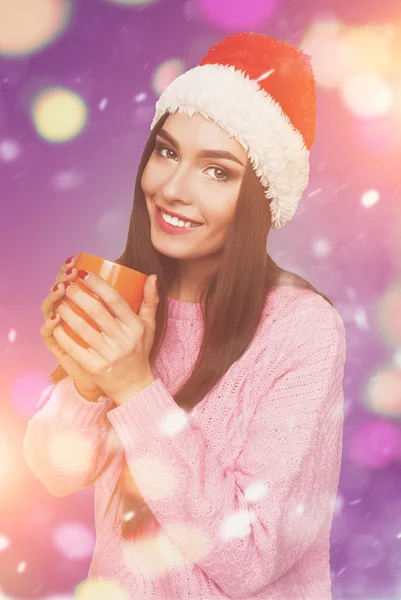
59 114
27 26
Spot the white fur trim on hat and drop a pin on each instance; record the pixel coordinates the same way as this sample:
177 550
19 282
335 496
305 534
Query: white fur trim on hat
246 112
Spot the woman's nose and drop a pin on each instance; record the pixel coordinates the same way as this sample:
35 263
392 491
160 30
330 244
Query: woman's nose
177 186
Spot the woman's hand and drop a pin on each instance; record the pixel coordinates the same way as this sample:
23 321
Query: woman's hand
83 380
118 355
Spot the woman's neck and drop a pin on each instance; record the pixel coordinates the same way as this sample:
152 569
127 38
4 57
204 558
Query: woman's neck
183 294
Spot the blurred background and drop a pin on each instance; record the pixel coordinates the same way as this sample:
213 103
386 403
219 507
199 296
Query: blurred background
78 86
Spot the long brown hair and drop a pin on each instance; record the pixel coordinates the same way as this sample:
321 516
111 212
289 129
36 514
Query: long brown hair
232 300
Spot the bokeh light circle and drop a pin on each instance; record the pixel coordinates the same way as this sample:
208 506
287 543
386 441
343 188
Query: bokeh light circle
383 392
99 588
74 540
389 315
9 150
59 114
367 95
166 73
370 198
330 57
26 26
4 542
368 49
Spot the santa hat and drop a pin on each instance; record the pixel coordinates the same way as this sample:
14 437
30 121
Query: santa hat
261 92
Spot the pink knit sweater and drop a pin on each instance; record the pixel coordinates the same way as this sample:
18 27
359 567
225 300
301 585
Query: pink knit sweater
243 486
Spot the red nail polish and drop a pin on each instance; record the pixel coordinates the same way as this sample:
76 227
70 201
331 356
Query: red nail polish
67 284
68 271
59 303
53 317
82 274
55 288
67 262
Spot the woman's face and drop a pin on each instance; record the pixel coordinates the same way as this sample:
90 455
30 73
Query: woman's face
181 176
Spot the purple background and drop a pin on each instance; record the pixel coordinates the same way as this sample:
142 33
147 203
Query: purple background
110 51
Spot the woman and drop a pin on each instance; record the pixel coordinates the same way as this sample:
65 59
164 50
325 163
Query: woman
217 476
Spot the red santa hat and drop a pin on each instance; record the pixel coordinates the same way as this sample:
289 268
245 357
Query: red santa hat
261 91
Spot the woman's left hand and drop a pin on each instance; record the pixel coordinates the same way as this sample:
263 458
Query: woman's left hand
118 355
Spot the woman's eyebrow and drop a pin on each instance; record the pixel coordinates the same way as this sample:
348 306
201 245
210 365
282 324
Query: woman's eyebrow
203 153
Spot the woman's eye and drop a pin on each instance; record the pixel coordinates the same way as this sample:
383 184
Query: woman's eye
218 178
159 149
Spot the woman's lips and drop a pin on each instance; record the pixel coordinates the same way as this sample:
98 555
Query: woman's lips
171 228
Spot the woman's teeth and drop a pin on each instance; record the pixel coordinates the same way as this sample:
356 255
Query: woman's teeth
177 222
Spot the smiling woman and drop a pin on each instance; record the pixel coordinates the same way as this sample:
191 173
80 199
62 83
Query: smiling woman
223 470
184 182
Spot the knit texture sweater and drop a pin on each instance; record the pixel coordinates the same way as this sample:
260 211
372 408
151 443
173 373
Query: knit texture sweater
242 486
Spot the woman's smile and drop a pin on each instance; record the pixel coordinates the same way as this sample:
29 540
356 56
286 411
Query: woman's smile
171 228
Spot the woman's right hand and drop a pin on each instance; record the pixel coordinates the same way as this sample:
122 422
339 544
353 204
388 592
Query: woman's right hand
82 380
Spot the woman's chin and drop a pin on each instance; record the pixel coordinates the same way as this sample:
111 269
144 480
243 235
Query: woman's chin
166 247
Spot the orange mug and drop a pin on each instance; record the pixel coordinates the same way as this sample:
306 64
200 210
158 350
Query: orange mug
129 283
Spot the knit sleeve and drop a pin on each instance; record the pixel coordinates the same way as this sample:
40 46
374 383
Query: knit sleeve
247 525
63 437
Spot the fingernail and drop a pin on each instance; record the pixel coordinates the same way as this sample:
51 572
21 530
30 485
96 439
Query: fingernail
67 284
67 262
69 271
53 317
55 288
82 274
59 303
